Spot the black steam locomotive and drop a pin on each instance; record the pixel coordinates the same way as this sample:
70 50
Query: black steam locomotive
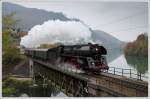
87 57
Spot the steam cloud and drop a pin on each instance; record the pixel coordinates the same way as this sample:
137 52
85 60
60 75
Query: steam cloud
51 32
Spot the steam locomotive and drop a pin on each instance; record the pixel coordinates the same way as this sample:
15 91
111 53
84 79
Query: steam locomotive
87 57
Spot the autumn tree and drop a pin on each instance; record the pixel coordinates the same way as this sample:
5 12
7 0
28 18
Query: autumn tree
10 53
139 47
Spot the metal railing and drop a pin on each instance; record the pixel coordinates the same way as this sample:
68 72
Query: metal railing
130 73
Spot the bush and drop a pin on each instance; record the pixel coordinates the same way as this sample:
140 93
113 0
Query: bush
11 56
8 92
11 86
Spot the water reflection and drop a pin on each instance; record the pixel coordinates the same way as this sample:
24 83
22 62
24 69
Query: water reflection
136 64
113 54
117 59
140 63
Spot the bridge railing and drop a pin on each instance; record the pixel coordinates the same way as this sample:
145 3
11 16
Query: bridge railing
127 72
130 73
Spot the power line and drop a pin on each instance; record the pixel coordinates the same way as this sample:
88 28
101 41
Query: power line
129 29
125 18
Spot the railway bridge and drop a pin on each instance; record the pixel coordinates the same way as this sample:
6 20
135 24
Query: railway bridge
76 84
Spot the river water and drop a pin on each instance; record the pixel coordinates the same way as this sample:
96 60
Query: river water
137 65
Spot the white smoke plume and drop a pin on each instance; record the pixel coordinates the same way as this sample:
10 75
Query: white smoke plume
56 31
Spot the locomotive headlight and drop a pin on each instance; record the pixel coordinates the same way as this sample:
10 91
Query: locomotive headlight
96 49
92 63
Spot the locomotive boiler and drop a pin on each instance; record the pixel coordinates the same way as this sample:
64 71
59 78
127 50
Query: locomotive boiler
87 57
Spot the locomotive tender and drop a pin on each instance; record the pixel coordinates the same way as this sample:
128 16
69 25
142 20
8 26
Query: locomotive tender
87 57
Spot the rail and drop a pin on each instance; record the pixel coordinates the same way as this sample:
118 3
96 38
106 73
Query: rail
127 72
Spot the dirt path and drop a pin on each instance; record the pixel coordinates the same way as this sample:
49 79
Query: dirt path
22 78
21 69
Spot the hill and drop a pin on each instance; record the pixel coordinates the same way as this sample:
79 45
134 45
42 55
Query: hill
106 39
29 17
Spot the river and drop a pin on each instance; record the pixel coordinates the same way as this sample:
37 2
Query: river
137 64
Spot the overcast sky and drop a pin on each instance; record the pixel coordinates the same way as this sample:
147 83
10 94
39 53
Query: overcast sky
124 20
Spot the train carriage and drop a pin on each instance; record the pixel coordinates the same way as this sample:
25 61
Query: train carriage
41 54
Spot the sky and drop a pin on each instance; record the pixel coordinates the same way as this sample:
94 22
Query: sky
124 20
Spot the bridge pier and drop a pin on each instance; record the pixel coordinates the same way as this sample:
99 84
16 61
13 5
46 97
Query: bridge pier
31 71
31 67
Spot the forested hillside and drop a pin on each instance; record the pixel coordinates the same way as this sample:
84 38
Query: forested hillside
139 47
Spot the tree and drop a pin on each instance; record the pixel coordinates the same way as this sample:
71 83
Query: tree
10 52
139 47
8 21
